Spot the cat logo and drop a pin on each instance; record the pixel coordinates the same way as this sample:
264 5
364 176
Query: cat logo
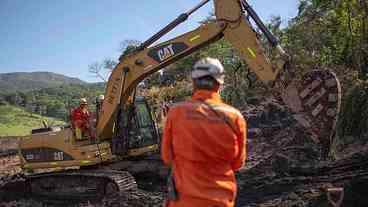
29 157
165 52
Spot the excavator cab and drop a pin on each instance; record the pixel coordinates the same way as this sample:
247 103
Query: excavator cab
136 132
145 122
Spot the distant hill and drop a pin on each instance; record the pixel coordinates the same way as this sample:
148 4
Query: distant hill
23 81
45 93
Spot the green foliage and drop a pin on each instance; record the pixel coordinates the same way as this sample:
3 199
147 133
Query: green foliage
128 46
56 101
327 33
158 95
354 116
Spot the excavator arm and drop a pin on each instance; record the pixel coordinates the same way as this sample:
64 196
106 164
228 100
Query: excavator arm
132 69
135 67
232 24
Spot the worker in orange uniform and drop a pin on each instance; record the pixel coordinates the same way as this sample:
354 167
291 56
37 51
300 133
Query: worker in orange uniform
204 142
81 119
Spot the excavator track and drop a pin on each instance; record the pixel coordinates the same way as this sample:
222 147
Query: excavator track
70 184
81 183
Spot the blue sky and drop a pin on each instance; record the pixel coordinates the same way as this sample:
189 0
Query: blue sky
65 36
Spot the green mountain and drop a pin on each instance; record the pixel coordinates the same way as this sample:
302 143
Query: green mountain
45 93
22 81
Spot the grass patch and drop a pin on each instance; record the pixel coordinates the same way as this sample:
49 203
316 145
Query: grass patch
16 121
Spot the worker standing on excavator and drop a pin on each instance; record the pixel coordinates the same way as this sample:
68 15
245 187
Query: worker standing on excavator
204 143
80 120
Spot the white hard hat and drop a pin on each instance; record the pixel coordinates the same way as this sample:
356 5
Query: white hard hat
101 97
209 67
83 101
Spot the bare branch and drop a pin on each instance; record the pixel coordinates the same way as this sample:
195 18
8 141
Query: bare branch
109 64
96 69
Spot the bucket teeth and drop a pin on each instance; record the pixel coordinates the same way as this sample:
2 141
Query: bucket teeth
316 101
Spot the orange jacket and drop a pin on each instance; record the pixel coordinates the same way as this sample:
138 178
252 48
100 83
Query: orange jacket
80 118
205 150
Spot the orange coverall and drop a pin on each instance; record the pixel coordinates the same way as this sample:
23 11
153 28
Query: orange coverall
80 119
204 151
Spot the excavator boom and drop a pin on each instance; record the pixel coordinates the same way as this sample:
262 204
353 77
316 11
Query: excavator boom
135 67
231 23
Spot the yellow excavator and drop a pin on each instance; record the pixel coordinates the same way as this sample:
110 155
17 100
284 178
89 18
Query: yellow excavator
59 164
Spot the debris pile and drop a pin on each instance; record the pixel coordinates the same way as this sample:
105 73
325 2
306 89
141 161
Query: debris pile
284 168
138 198
306 184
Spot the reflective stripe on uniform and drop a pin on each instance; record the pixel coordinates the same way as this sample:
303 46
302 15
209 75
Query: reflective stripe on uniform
221 108
227 109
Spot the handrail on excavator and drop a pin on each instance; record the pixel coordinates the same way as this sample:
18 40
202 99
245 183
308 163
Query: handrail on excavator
180 19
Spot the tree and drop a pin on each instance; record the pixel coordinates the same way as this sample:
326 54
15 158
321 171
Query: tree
96 69
102 70
329 33
128 46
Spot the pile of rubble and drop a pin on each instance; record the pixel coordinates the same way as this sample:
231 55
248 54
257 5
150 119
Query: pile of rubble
284 166
306 184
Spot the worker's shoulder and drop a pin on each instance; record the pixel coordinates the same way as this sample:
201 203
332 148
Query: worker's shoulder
184 104
222 107
227 109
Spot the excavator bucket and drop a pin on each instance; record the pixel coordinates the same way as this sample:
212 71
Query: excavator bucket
315 101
